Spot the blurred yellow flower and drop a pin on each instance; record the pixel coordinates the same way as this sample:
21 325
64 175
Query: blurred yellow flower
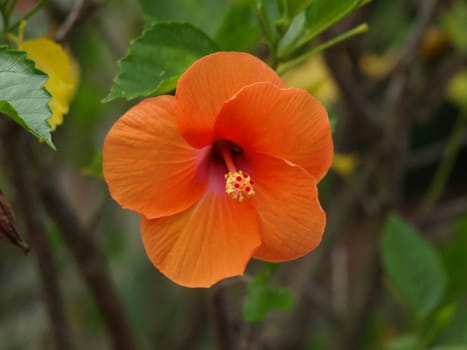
457 89
378 66
435 42
62 70
344 164
313 76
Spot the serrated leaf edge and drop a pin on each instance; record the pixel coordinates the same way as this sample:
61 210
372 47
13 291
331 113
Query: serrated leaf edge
32 65
150 27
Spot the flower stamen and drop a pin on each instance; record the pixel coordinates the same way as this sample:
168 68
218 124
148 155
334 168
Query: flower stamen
238 185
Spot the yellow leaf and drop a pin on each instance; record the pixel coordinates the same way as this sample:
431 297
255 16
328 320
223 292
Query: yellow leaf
52 59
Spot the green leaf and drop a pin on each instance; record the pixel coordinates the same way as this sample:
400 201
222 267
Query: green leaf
412 265
322 14
22 94
454 255
294 7
263 298
157 58
239 30
293 34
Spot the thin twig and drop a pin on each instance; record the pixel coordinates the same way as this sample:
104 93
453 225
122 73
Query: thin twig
430 154
31 13
80 10
361 116
447 163
425 15
442 213
362 28
398 104
400 75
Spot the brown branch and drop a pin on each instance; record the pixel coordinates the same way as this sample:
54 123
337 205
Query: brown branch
369 286
342 63
440 214
429 154
389 160
426 12
196 325
397 105
318 300
400 74
353 338
91 265
21 173
354 97
218 316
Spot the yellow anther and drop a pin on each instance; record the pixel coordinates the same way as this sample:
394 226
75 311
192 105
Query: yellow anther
239 185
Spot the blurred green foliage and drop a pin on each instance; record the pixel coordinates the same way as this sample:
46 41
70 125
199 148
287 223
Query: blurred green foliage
412 265
263 298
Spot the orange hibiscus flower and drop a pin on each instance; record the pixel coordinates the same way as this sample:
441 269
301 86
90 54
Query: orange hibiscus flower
222 172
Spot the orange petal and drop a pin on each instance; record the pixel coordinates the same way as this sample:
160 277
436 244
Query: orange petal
291 220
208 83
148 166
285 123
212 240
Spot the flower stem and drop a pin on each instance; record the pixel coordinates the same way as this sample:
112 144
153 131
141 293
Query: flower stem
28 15
362 28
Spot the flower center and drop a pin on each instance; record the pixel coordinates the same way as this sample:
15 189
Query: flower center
238 185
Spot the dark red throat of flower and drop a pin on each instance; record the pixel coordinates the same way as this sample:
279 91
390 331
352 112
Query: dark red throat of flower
238 184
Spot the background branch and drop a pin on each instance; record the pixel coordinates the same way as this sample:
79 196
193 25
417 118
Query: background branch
21 173
80 11
90 263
